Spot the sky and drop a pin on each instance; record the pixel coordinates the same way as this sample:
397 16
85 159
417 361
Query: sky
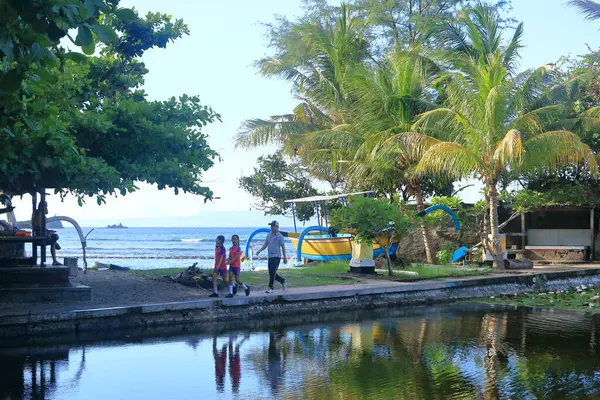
216 62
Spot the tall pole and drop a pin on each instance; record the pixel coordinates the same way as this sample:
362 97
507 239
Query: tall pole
33 244
43 227
294 216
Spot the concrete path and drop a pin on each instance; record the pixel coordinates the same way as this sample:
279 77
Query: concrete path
199 299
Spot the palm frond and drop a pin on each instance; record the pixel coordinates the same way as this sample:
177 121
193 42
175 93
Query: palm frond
444 121
590 9
510 149
409 147
261 132
540 120
555 149
511 52
452 159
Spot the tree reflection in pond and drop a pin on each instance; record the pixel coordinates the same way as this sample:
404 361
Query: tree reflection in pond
444 352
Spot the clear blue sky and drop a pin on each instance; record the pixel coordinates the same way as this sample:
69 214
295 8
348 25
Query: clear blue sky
215 62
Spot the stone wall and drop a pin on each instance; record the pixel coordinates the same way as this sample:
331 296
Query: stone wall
411 247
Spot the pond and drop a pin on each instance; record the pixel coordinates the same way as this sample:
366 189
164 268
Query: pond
458 351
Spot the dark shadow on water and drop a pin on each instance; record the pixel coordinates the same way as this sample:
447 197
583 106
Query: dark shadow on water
449 351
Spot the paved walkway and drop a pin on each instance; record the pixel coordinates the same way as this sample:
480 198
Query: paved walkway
154 296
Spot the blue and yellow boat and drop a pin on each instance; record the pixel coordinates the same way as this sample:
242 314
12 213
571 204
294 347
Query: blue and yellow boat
318 243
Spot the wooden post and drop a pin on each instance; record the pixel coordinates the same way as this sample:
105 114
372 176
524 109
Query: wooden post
33 245
43 228
523 230
592 236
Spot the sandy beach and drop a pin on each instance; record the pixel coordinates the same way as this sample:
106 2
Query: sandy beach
111 289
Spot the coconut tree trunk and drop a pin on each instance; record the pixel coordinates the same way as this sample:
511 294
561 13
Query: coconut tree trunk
496 247
427 242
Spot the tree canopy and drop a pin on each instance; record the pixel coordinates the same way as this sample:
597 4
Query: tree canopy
82 124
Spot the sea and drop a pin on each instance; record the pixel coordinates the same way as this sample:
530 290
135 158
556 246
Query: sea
151 248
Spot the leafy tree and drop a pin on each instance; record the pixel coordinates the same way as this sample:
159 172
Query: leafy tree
277 179
372 219
87 128
496 121
406 24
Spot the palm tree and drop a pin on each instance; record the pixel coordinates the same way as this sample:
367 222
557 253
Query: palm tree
497 121
315 54
387 99
589 8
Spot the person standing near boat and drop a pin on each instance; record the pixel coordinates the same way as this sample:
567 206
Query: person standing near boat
275 245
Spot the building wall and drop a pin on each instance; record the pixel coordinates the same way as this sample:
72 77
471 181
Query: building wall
559 237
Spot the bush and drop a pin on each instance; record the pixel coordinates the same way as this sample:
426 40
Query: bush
444 254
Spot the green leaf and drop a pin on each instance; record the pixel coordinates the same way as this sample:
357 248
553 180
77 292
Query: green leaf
89 49
84 36
7 46
105 33
77 57
45 75
126 14
9 132
11 81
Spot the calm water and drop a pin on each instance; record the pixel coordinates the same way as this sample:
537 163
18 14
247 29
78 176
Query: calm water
155 247
449 352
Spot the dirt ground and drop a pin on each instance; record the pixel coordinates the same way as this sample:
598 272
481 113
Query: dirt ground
112 289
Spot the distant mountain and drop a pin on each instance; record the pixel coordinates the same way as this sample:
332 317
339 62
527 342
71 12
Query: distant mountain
119 226
54 225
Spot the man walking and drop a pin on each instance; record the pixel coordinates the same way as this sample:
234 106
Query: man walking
276 246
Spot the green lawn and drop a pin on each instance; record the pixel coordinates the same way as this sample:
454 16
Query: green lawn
317 275
565 300
325 274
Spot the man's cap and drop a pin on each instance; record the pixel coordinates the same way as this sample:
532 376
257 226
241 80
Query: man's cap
274 223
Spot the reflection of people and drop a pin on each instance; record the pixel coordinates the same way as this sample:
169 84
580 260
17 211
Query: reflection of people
235 365
36 225
274 362
220 362
276 245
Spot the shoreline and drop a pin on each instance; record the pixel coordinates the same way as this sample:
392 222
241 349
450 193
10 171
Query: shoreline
72 320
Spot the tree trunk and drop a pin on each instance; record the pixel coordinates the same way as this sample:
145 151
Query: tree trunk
429 254
496 247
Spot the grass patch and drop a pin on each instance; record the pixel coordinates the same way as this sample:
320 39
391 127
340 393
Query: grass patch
315 275
564 300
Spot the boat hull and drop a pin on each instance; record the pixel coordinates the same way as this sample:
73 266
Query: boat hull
326 248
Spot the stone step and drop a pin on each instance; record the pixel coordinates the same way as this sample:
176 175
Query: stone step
12 262
64 293
33 277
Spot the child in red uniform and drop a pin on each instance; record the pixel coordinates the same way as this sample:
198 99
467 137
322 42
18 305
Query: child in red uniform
220 265
235 256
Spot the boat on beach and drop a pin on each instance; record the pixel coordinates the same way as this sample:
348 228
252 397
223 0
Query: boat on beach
319 243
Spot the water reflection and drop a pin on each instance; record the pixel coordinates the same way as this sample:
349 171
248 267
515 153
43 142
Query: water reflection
423 353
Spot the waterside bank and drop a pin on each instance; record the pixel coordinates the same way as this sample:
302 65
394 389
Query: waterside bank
22 320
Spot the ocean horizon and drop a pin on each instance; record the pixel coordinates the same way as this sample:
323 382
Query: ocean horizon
158 247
